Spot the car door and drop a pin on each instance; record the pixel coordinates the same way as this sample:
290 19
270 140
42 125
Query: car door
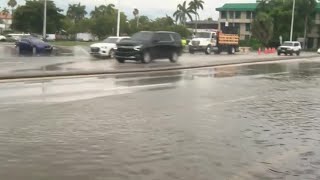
165 45
24 45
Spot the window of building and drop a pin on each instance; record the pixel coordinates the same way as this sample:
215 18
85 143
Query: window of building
249 15
222 25
237 27
248 27
223 15
231 15
238 15
253 15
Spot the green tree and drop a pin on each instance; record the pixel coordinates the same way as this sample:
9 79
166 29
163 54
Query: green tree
12 4
183 12
29 17
76 12
262 28
103 11
104 20
195 5
281 13
307 10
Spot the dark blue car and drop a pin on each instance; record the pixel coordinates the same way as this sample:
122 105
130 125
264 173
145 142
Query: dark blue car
32 45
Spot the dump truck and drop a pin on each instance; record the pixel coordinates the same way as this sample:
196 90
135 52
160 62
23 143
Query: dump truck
226 40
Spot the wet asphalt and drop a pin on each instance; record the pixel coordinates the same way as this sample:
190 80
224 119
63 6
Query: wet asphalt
257 121
12 65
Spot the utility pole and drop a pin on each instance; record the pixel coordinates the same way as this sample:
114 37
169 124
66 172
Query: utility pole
292 20
118 21
45 20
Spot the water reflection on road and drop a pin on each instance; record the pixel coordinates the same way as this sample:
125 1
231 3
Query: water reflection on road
231 122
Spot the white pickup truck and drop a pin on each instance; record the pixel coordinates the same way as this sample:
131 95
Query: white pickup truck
290 47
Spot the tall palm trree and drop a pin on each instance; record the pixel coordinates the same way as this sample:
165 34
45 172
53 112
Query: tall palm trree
136 15
12 4
195 5
77 12
183 12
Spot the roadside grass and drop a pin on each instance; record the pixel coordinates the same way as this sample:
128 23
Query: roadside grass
71 43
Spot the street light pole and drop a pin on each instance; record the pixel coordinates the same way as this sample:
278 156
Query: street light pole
292 20
118 19
45 20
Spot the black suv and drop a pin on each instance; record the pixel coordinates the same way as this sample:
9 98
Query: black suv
145 46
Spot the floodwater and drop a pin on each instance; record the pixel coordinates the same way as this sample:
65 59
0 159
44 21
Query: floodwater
232 122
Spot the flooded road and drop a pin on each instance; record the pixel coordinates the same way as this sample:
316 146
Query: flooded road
259 121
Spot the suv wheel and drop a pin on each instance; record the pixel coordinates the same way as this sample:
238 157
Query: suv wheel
112 53
208 50
34 51
298 53
174 57
146 57
120 60
191 51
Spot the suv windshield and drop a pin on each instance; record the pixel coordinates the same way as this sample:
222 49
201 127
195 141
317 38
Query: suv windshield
287 44
110 40
202 35
142 36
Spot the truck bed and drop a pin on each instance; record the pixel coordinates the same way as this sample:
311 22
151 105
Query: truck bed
228 39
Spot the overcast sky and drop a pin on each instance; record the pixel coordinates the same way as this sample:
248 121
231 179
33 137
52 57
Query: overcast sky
151 8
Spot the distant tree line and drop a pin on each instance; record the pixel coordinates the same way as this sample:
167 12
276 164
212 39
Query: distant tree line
100 22
274 20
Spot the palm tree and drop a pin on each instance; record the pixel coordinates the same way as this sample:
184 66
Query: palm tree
12 4
195 5
183 12
136 15
103 10
76 12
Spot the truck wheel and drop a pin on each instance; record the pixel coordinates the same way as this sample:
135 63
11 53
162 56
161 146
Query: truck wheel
208 50
191 51
231 50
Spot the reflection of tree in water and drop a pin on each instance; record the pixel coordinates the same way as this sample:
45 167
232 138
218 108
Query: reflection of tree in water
306 71
228 71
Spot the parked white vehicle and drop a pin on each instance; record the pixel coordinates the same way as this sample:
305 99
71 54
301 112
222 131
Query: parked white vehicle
3 38
290 48
84 37
51 37
106 48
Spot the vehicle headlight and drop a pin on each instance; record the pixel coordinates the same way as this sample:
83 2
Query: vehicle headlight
137 48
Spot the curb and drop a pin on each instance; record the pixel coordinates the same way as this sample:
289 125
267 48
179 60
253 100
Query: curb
111 72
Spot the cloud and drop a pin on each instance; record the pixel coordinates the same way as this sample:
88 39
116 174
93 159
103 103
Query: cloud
151 8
